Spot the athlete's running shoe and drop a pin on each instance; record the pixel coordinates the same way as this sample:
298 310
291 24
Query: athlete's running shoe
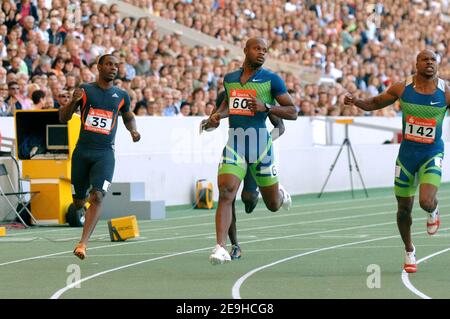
410 265
433 223
249 207
219 256
80 251
287 201
235 252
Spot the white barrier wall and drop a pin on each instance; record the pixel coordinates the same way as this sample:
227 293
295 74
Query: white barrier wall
172 155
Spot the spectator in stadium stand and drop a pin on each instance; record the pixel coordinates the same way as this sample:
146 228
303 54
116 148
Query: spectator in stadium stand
41 31
209 108
306 108
151 107
318 39
26 8
28 30
58 66
11 15
140 110
185 109
63 98
12 99
3 95
54 35
38 98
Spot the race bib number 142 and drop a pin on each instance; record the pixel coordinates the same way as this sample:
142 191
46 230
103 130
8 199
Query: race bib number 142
420 130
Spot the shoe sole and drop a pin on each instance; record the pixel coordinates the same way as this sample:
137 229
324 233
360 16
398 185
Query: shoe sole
250 209
410 268
79 254
250 206
438 222
287 206
217 260
80 251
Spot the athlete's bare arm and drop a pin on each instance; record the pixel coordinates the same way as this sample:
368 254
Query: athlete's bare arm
286 110
66 112
380 101
220 113
130 123
447 95
278 126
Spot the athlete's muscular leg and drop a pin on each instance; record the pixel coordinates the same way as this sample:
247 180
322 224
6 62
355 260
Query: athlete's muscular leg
232 232
272 197
404 220
427 197
92 215
249 198
228 187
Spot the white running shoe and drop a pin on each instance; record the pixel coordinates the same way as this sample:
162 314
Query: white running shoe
433 223
287 201
410 265
219 256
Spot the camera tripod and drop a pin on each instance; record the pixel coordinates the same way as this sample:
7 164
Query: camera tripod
346 142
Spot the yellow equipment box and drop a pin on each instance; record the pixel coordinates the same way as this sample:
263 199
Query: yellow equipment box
123 228
51 203
2 231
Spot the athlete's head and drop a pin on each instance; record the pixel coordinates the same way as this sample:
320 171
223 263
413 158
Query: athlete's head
255 52
426 63
107 66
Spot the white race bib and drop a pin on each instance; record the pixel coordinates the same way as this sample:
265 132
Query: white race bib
99 121
239 100
398 170
420 130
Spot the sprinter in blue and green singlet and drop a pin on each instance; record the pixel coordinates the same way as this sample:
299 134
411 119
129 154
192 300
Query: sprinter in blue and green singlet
250 193
424 99
251 93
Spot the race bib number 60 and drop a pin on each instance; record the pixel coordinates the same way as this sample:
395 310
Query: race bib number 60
238 104
99 121
420 130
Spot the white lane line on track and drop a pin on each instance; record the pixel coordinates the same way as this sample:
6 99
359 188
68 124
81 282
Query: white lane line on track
271 216
58 294
61 291
258 209
207 234
407 282
235 291
188 236
352 200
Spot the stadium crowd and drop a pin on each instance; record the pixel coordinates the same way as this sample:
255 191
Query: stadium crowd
48 48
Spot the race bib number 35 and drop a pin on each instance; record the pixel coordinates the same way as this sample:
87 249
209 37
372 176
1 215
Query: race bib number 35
420 130
99 121
239 100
